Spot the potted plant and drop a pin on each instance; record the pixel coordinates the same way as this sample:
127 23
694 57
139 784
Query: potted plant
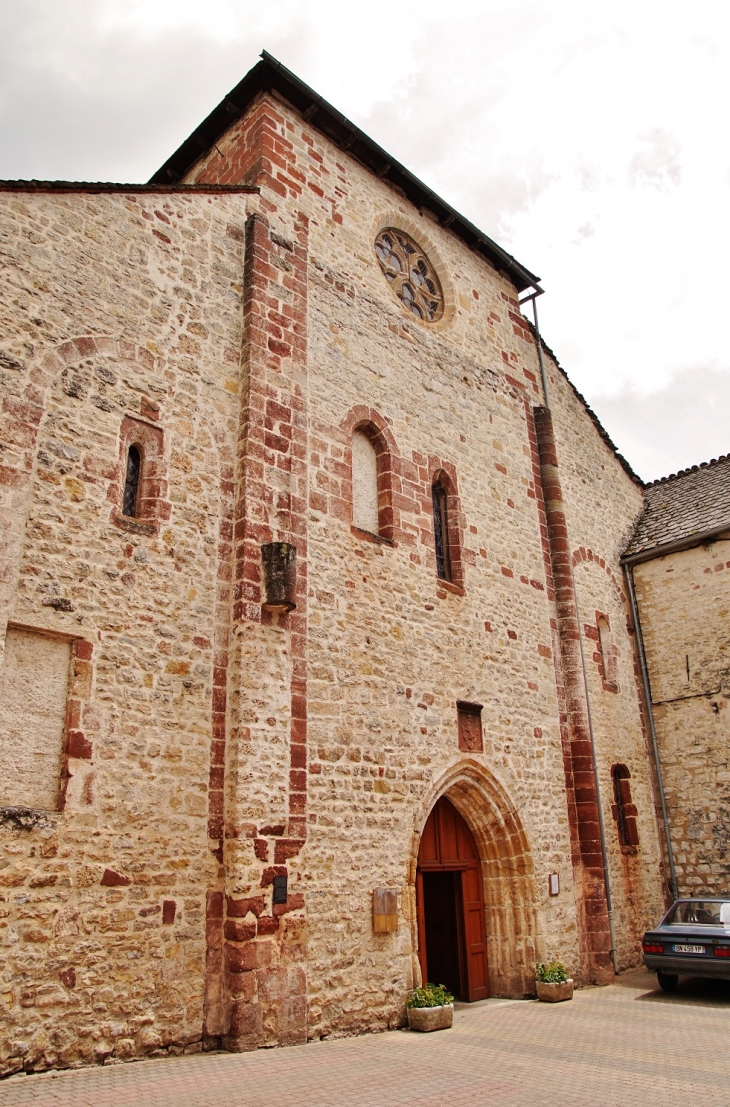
430 1008
553 983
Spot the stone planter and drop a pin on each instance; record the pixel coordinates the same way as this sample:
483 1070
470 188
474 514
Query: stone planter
554 993
431 1018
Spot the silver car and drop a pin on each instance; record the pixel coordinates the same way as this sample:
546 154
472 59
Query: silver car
693 939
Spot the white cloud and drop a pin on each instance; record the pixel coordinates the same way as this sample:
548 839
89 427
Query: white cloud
586 138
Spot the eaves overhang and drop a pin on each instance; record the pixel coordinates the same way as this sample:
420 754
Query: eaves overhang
269 75
700 538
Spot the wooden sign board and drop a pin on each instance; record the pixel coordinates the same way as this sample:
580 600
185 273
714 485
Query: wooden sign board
385 910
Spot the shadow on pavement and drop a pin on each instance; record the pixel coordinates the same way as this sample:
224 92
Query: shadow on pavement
695 991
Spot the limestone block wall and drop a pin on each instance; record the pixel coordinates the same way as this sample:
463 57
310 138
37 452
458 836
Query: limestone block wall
684 600
116 307
390 649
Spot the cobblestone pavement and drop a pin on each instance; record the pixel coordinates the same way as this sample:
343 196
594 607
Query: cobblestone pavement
617 1045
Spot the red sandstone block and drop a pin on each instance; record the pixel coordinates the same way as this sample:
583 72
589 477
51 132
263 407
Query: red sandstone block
298 756
112 879
169 908
267 876
507 572
267 924
241 985
236 930
261 849
297 806
295 902
286 848
77 745
544 651
253 955
214 905
245 1020
298 780
239 908
299 707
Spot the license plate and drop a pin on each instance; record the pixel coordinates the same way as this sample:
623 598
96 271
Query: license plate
689 949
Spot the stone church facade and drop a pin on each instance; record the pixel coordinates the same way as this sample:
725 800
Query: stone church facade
313 605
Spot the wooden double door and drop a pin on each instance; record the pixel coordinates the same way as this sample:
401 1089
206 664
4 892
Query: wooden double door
452 941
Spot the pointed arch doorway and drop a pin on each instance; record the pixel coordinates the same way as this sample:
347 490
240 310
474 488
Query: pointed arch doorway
452 943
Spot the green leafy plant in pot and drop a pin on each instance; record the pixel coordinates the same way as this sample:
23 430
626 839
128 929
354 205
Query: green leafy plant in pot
430 1008
552 982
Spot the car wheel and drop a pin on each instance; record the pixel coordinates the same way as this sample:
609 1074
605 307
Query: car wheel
667 981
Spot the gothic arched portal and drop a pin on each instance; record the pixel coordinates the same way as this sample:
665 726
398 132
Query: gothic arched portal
472 827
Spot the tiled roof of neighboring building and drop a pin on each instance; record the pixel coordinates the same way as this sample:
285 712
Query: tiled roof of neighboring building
692 502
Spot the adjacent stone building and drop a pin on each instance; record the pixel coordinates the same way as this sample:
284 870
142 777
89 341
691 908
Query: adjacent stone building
320 670
679 556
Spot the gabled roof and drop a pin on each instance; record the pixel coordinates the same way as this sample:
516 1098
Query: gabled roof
271 76
683 509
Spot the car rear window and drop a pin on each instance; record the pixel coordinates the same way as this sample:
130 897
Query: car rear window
705 912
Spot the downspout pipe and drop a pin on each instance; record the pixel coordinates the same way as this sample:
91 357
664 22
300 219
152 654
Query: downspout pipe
629 575
538 341
599 807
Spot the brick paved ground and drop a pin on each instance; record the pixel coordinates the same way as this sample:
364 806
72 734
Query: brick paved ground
628 1043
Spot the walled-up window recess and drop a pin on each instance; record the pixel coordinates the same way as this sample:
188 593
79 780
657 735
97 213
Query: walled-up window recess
131 482
624 811
33 698
609 656
441 530
364 483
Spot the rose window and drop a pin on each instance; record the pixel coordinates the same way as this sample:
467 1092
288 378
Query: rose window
410 274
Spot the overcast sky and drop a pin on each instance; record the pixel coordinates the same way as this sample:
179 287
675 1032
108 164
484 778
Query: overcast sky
591 140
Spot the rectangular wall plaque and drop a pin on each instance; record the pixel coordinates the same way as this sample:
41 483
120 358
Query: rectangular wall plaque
470 727
385 910
554 884
280 889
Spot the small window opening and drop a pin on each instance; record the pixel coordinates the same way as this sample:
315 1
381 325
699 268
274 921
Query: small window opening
441 531
131 482
624 811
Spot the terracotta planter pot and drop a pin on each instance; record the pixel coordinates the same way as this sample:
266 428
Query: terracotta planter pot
431 1018
554 993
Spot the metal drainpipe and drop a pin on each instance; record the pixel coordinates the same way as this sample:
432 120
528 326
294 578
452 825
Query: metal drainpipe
601 826
533 296
629 575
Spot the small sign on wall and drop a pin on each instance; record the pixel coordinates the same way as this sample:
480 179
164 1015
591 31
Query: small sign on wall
470 727
385 910
554 884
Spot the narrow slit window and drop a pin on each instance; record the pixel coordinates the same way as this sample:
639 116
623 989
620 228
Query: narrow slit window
441 531
131 482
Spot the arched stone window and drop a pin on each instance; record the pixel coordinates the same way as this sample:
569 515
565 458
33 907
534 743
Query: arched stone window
365 514
138 493
441 533
448 526
623 810
131 482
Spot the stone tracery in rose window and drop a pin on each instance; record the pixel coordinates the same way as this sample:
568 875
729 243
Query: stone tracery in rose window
410 274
